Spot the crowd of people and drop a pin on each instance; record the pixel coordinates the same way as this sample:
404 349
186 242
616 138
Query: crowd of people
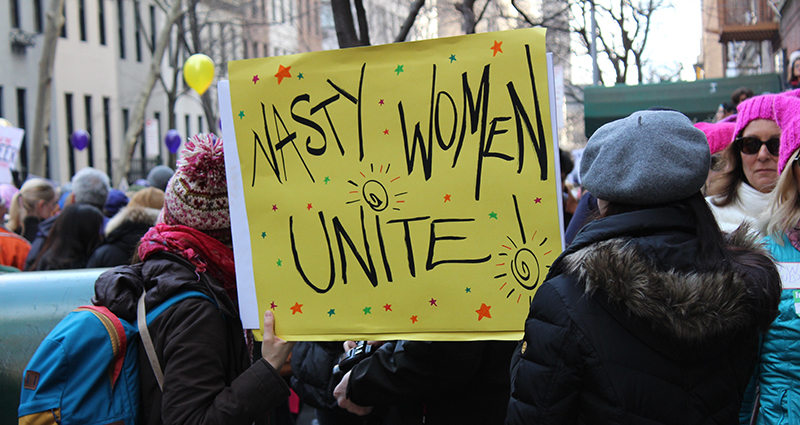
666 307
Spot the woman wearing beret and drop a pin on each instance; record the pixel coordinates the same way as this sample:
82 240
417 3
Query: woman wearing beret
650 316
778 371
750 163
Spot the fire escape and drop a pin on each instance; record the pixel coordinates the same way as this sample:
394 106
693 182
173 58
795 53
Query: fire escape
749 32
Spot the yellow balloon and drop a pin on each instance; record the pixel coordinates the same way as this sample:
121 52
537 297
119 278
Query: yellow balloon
198 71
5 123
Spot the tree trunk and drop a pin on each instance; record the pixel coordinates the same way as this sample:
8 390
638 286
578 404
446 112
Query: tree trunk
343 21
40 142
137 120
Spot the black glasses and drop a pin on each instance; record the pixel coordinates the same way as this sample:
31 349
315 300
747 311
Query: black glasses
751 145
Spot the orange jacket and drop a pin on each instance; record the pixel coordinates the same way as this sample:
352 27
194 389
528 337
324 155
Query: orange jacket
13 249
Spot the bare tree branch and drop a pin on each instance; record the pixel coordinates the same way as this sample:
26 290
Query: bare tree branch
409 22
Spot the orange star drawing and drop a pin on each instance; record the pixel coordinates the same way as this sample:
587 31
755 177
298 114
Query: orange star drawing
446 198
413 319
483 311
283 72
498 47
298 308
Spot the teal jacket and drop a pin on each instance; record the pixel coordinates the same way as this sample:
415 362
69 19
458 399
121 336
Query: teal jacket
778 369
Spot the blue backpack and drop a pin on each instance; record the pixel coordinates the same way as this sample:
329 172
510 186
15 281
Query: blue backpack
86 371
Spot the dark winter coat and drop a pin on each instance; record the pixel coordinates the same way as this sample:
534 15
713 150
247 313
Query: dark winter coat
123 233
626 331
312 380
416 382
208 378
38 241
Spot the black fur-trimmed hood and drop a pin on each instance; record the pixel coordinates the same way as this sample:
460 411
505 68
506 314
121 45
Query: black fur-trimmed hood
687 304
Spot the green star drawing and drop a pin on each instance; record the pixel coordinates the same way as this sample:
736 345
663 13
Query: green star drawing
279 263
469 290
331 312
263 235
241 114
367 310
327 179
452 58
399 69
300 77
493 215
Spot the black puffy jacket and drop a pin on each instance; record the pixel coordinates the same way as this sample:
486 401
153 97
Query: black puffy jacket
418 382
625 330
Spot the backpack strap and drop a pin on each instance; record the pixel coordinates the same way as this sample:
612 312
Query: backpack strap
116 333
144 319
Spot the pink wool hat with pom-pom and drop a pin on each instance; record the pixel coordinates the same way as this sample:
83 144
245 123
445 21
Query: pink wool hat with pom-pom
719 135
197 194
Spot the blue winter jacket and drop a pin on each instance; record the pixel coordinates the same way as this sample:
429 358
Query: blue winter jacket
778 369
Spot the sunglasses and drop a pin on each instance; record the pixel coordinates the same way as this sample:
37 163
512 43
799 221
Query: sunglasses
751 145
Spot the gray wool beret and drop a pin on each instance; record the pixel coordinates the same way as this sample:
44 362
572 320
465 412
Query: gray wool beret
650 157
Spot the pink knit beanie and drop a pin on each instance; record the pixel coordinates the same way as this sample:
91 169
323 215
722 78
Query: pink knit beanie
787 116
719 135
197 194
755 108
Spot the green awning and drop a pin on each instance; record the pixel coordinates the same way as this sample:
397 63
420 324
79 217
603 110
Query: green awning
697 99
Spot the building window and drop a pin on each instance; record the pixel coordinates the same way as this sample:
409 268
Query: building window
14 13
152 28
38 16
244 45
121 25
107 132
199 123
188 125
1 102
157 116
22 107
101 11
87 105
64 16
255 49
82 18
70 129
137 20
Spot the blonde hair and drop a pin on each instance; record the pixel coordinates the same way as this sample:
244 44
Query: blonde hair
149 197
25 201
783 210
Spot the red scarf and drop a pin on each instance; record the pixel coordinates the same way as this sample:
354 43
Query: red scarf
204 252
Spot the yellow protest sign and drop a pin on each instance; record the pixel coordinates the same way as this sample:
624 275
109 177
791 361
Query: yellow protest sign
405 191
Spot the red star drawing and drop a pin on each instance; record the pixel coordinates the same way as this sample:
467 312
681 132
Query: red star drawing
498 47
387 307
283 72
433 302
273 306
274 207
446 198
309 207
380 102
414 319
298 308
386 132
255 79
483 311
537 200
